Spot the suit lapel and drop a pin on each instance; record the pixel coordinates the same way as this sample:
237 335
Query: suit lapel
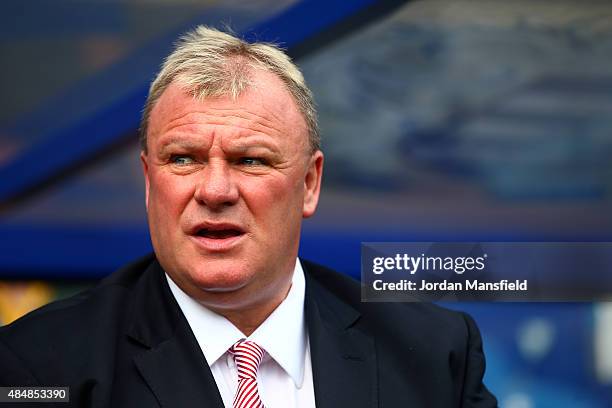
176 372
171 363
343 358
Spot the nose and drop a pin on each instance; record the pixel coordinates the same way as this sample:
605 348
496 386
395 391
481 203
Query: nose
216 188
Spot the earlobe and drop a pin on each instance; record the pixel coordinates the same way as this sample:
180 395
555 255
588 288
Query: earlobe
312 184
145 171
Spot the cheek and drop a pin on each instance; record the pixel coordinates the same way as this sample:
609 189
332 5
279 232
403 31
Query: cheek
168 194
275 197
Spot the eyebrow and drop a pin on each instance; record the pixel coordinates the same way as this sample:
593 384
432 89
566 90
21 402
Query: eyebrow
257 143
242 144
181 142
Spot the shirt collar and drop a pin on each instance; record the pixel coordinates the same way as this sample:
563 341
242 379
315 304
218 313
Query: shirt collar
215 334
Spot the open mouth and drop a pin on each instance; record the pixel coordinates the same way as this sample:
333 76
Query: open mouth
219 234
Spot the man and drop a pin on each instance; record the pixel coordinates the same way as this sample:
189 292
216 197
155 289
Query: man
224 314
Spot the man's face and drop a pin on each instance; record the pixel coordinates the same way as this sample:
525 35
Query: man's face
227 185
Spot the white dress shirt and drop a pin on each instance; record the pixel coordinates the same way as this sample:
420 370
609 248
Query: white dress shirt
285 374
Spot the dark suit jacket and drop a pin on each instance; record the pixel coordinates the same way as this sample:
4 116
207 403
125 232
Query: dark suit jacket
126 343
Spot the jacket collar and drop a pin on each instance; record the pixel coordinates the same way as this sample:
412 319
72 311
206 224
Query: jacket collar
343 357
172 363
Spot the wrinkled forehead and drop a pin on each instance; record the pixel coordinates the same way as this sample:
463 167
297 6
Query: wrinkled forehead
266 100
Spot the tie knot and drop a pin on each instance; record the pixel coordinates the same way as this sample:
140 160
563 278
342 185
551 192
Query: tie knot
247 356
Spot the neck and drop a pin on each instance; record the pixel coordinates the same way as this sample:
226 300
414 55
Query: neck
247 320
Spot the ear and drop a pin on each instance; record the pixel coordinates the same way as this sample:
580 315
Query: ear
312 184
145 170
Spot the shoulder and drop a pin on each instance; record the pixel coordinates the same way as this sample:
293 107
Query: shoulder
434 351
70 327
419 320
80 308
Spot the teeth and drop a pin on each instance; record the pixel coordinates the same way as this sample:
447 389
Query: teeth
218 234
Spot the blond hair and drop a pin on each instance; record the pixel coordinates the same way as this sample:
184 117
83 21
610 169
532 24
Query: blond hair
211 63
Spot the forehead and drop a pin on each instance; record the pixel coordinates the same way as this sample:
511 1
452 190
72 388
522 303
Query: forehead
266 104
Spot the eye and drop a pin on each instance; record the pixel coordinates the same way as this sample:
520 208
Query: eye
180 160
252 161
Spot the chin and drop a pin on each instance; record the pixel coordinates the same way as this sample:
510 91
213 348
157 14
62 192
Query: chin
220 277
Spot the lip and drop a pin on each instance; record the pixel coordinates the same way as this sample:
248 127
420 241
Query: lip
217 244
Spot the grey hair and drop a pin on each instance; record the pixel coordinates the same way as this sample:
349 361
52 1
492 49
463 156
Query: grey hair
211 63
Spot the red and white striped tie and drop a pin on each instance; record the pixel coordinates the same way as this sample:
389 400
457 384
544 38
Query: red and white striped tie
247 356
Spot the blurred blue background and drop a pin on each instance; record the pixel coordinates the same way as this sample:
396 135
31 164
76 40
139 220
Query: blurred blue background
464 120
